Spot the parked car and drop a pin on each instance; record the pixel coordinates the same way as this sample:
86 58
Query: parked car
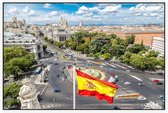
160 72
141 98
156 80
159 83
56 90
140 84
161 97
38 70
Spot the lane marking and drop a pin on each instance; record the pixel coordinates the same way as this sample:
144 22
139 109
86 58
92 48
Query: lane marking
136 78
110 64
120 66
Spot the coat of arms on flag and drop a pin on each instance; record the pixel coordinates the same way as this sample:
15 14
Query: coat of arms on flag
91 86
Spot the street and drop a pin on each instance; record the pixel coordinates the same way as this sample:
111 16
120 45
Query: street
64 98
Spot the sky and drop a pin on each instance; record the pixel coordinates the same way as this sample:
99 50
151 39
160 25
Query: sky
89 14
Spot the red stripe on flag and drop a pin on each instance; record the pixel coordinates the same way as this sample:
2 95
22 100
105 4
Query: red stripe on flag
97 94
84 75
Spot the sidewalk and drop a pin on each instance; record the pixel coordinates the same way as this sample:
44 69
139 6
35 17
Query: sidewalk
38 79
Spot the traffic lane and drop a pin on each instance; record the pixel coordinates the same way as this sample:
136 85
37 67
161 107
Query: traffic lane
57 79
65 96
149 83
83 102
149 92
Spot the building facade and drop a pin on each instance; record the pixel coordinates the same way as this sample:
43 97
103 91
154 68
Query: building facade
158 45
58 32
27 41
146 38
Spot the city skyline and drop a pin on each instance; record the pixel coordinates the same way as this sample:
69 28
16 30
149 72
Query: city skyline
89 13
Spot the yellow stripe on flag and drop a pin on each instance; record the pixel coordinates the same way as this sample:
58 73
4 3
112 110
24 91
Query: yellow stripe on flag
94 85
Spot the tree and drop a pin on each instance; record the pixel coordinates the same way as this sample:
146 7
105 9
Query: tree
106 56
60 44
18 65
136 48
44 47
150 63
97 44
126 57
13 52
161 63
137 61
32 33
131 39
11 93
152 53
113 36
10 69
46 38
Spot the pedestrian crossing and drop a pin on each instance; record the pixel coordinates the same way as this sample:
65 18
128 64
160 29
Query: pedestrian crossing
48 106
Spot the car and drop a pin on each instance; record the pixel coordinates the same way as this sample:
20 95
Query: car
56 90
127 70
161 97
160 72
141 98
127 83
140 84
110 68
63 79
156 81
55 63
159 83
57 75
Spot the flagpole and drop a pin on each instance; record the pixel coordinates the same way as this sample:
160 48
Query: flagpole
74 76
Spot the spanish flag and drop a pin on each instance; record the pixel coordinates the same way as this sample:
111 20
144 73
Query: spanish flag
91 86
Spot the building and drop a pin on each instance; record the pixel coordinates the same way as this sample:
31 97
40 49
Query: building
80 24
158 44
58 32
63 23
27 41
15 23
146 38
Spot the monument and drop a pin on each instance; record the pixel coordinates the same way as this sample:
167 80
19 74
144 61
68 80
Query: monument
28 95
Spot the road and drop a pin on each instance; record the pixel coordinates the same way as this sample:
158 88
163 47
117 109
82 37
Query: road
64 100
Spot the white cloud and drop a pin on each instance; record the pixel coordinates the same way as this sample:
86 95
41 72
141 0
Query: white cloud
110 9
98 14
53 13
13 11
137 14
82 10
154 14
27 11
88 14
47 5
147 8
99 9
